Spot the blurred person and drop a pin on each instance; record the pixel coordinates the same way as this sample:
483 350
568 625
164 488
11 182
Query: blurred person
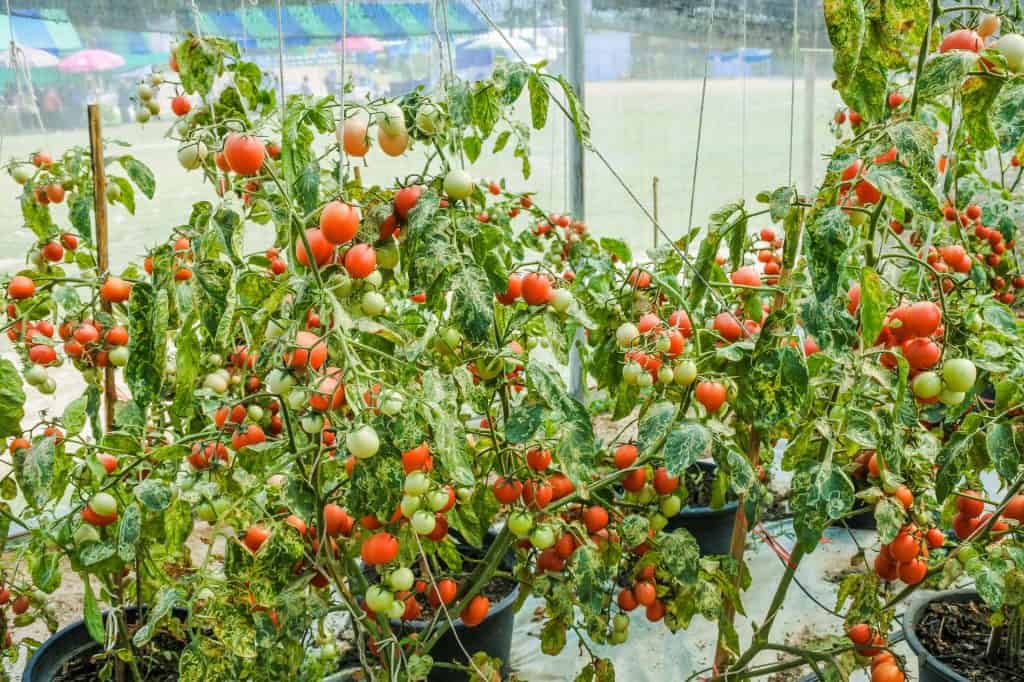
124 100
51 106
306 89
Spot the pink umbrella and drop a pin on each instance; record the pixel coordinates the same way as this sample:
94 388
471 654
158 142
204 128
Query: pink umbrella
360 44
87 61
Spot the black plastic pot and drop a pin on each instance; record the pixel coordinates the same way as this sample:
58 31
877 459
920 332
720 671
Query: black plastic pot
930 668
493 636
864 519
712 528
68 644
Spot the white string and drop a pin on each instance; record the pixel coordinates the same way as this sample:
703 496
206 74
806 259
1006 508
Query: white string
700 117
342 77
718 298
792 86
195 19
743 105
280 59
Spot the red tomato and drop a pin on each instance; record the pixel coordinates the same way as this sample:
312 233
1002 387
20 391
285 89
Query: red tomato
360 261
595 518
536 289
962 39
710 394
513 291
309 349
664 483
322 249
255 537
405 200
380 548
625 456
725 324
244 153
921 353
21 287
339 222
507 491
115 290
181 105
970 504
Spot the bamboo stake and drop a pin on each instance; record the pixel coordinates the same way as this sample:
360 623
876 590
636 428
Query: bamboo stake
99 193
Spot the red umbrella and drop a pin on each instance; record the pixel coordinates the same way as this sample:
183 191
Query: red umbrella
359 44
87 61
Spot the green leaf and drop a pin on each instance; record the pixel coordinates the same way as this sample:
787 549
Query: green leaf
472 145
523 422
93 617
915 148
147 310
79 213
163 604
1008 116
127 198
910 190
780 202
501 141
187 368
680 556
845 21
12 399
943 73
33 468
538 101
1000 317
829 238
45 570
633 530
128 529
486 111
155 495
655 427
74 415
576 450
684 446
140 174
307 187
472 308
37 216
617 248
1003 452
979 95
874 302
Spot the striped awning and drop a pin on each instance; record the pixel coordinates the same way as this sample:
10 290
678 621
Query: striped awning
306 24
43 29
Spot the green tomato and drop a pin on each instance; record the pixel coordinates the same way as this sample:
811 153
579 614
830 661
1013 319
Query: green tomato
275 328
391 407
221 505
951 398
662 344
401 579
409 505
423 522
490 368
685 372
387 255
191 154
620 622
416 483
520 523
627 334
216 383
296 399
391 119
145 92
657 522
21 173
103 504
205 512
363 442
645 380
452 337
437 499
85 534
632 372
646 495
542 537
48 387
379 599
374 279
214 360
561 300
153 106
113 191
35 375
396 610
142 115
960 374
1011 46
926 385
280 382
618 636
429 118
255 413
373 303
671 505
458 184
665 375
119 356
312 423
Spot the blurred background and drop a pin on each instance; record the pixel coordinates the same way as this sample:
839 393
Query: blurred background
767 110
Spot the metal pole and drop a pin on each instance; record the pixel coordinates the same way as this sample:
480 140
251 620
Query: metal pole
99 193
575 38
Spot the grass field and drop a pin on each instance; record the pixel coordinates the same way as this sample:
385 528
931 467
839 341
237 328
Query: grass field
645 129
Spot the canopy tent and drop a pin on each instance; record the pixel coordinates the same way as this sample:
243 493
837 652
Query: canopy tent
306 24
43 29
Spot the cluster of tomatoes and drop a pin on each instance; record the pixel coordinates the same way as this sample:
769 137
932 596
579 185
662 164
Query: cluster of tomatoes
651 347
906 557
885 667
19 605
989 245
182 260
970 507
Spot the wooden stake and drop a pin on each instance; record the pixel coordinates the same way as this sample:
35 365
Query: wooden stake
654 189
99 193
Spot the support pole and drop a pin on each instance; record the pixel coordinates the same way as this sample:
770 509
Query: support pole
99 193
575 39
809 77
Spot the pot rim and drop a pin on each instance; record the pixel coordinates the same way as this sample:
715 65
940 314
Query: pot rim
913 615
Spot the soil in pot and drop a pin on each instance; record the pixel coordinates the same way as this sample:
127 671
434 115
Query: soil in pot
157 663
712 528
957 634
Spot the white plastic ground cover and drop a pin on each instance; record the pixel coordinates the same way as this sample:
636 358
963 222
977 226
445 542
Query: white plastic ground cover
653 654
